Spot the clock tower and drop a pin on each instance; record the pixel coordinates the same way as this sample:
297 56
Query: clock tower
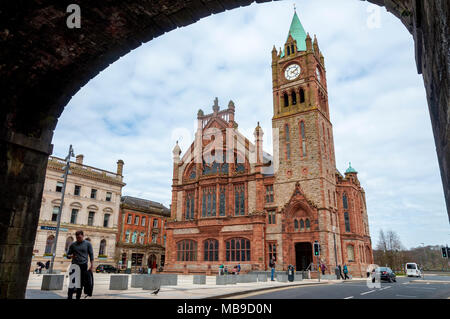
301 120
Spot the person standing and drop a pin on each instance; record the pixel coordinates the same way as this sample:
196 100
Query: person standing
345 272
272 268
221 270
79 251
340 272
323 268
238 268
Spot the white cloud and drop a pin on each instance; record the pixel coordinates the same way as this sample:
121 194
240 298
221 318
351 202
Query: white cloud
139 106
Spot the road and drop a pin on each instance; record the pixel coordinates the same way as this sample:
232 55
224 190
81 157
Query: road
433 287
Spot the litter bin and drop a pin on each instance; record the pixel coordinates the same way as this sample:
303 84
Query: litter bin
290 273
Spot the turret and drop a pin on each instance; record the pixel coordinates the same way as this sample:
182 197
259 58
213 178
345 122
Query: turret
308 43
258 134
120 164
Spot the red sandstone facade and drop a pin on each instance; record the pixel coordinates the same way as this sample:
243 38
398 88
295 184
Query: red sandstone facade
142 237
233 203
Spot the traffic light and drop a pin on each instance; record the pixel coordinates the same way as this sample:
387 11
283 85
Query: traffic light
316 249
444 252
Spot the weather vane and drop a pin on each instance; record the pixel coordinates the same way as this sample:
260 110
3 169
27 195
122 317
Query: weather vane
294 6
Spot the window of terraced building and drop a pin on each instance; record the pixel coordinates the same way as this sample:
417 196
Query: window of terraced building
271 217
272 251
269 193
187 250
237 249
55 213
211 250
59 186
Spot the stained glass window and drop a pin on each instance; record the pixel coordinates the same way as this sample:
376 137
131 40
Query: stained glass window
222 202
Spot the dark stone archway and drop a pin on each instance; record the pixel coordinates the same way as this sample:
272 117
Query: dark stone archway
43 64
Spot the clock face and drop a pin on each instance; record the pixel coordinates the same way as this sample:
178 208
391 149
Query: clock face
292 72
318 74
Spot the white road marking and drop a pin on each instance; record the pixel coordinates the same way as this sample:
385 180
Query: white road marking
406 296
386 287
349 297
367 292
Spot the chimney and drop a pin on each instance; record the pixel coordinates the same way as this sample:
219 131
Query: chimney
79 159
120 167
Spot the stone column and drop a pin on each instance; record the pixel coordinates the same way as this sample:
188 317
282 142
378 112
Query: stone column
23 162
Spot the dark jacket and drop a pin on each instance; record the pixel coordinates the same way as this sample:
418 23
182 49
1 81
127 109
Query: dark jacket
88 283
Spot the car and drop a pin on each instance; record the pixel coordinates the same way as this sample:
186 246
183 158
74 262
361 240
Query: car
412 270
384 273
106 268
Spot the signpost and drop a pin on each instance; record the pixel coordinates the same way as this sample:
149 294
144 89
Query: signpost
58 221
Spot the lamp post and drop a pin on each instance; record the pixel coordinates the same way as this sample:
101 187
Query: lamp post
58 220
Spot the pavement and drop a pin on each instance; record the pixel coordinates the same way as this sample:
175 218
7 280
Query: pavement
432 286
181 291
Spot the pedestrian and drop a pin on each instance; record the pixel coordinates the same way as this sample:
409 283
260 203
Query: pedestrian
340 272
226 270
272 268
238 267
79 251
345 272
221 270
47 264
323 268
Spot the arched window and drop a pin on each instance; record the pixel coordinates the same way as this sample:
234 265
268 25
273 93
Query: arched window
69 242
239 200
102 250
345 201
286 99
288 50
211 250
302 96
294 98
347 222
187 250
134 237
288 145
350 253
189 209
143 221
237 249
292 49
303 137
302 224
295 225
308 224
142 238
49 244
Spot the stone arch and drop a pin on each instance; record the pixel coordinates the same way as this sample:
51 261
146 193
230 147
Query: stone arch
109 32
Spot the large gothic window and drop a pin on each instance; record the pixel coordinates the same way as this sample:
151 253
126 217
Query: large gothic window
209 201
295 225
189 209
347 222
239 200
211 250
222 201
345 201
187 250
286 99
237 249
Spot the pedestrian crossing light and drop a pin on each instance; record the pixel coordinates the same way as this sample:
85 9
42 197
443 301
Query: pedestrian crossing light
316 249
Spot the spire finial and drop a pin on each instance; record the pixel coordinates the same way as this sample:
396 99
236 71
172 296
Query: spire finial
294 6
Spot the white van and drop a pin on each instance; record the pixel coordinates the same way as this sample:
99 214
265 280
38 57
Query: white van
412 270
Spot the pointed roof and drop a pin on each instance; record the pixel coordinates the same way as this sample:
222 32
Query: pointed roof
350 169
298 33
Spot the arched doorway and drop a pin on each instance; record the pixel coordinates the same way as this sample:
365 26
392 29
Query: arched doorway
151 262
303 255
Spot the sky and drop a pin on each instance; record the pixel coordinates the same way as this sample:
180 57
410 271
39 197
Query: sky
140 105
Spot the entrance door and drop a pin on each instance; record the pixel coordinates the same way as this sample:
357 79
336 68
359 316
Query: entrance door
303 255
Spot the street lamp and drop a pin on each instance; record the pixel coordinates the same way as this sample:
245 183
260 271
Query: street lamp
58 220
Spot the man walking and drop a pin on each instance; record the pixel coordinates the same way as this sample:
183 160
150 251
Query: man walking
79 252
340 272
323 268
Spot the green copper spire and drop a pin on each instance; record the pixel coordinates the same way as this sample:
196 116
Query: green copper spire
350 169
298 33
